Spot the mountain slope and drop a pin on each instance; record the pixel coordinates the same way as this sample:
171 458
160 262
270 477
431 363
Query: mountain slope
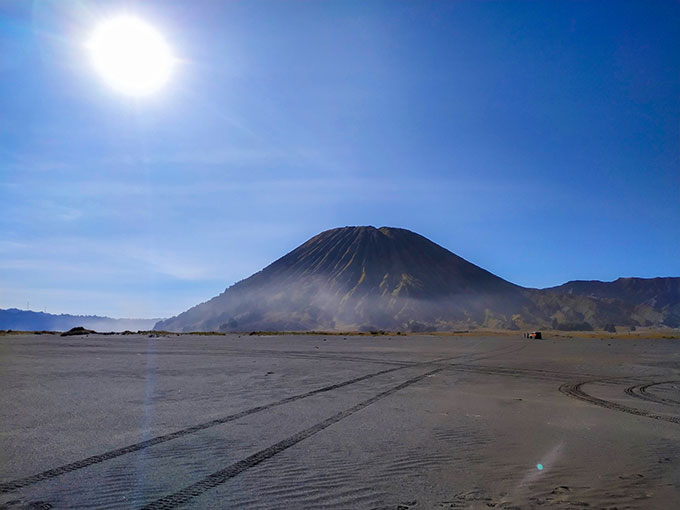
356 277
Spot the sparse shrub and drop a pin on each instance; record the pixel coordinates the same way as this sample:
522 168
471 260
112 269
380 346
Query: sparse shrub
78 330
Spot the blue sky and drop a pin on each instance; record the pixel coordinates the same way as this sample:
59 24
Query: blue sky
539 140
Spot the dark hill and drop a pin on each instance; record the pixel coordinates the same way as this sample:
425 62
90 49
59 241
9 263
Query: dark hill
359 277
367 261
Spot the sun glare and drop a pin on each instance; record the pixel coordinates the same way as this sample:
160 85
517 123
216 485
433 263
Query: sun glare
130 55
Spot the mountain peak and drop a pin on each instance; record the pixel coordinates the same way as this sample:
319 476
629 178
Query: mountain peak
353 276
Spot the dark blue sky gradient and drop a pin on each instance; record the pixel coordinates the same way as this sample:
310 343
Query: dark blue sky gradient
539 140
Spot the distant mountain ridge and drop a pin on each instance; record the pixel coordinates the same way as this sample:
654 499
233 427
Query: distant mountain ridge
656 292
27 320
392 278
651 301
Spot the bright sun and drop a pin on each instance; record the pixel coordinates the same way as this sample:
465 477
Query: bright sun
131 55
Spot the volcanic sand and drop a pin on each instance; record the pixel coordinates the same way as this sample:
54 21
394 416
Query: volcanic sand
338 422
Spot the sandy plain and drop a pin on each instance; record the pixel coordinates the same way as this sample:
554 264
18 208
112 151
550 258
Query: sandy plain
338 422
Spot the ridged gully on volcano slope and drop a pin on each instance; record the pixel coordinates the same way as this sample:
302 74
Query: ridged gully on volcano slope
14 485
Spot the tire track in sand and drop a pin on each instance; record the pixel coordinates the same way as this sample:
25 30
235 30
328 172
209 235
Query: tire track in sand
112 454
575 390
640 391
211 481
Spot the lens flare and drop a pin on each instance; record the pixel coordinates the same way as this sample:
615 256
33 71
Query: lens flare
130 55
